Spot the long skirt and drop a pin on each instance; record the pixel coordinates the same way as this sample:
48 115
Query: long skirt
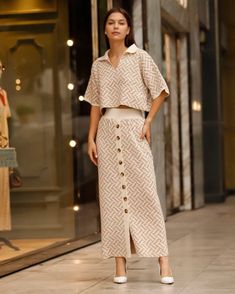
130 209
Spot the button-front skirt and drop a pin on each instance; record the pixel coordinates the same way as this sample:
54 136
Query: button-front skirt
129 203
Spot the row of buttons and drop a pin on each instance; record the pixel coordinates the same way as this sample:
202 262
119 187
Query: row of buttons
121 167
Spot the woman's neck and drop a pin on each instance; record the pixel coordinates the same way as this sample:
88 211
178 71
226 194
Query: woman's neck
117 49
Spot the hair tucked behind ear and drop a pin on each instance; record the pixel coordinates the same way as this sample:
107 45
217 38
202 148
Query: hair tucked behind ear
129 40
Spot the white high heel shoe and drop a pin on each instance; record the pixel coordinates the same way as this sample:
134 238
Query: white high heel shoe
121 279
166 279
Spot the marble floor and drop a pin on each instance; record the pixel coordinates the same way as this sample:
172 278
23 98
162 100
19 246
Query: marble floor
202 250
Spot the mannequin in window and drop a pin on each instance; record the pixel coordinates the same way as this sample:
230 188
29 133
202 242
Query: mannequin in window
5 217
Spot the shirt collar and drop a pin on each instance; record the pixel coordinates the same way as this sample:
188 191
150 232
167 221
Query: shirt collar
131 49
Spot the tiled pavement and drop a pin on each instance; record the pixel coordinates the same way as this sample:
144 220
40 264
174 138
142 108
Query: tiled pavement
202 252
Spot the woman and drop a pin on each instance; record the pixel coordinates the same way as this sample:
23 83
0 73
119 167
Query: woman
126 82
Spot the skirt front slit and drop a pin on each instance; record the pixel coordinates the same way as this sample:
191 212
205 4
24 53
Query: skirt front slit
129 203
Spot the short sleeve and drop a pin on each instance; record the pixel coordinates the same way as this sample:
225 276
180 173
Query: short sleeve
153 79
92 90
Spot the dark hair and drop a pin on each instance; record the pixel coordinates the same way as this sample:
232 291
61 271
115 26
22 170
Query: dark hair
129 40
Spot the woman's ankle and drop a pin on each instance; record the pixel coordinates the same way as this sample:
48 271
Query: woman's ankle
165 268
120 266
163 259
120 259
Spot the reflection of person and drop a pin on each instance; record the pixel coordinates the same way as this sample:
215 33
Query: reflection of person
5 220
126 82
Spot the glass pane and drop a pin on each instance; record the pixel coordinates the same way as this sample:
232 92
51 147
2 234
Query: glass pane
42 209
85 172
45 80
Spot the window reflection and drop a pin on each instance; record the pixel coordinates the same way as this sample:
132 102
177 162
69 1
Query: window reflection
45 80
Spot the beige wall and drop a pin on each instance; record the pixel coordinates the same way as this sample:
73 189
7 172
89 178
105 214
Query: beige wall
227 8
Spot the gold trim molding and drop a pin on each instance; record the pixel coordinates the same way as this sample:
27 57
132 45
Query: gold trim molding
15 7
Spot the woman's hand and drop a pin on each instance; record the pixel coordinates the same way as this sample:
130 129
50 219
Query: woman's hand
146 131
92 151
157 102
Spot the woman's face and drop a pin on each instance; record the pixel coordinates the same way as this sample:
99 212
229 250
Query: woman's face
116 28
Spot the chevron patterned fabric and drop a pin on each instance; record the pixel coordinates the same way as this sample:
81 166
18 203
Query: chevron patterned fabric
135 82
129 202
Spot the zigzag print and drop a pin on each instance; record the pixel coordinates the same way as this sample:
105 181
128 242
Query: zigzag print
135 82
127 191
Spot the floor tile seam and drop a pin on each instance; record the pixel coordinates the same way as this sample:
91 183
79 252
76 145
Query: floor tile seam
176 240
213 218
219 255
194 278
11 277
69 262
204 270
205 291
229 245
95 284
210 262
198 227
185 235
171 219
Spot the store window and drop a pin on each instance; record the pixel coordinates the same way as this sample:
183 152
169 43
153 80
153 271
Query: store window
47 51
85 173
36 82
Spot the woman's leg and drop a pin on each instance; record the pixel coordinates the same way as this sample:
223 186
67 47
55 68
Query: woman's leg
120 266
133 250
165 269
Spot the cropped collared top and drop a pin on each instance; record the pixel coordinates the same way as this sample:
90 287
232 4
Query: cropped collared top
135 82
